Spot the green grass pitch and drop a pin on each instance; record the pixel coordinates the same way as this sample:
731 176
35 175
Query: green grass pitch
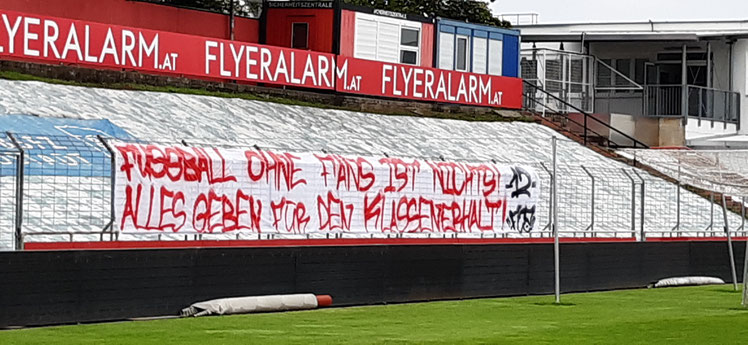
687 315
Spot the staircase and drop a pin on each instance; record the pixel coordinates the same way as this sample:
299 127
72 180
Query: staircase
573 122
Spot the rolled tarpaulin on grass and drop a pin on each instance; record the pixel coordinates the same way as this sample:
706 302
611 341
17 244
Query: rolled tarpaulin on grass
257 304
685 281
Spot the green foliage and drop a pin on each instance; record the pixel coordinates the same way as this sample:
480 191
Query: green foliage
468 10
244 8
691 315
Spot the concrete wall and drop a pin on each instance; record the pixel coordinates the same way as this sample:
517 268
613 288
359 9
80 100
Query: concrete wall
649 130
696 130
672 132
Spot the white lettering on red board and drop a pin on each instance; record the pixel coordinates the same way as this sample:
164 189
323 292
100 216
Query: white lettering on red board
72 41
430 85
60 40
121 48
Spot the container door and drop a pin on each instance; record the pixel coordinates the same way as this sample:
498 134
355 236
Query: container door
446 50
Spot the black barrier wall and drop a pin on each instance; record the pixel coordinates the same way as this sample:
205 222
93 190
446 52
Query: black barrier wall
40 288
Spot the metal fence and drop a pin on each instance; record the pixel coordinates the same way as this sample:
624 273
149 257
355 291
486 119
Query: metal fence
567 75
66 185
699 102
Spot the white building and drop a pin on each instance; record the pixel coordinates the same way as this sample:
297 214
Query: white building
665 83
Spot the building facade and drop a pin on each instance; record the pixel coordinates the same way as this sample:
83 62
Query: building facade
667 83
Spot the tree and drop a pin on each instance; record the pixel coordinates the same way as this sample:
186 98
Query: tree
469 10
244 8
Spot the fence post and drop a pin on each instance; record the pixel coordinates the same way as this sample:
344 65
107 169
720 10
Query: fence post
641 207
711 213
557 276
591 227
729 244
742 214
633 202
112 175
550 200
677 202
19 191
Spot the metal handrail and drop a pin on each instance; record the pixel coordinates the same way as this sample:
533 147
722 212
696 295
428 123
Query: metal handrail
586 115
528 50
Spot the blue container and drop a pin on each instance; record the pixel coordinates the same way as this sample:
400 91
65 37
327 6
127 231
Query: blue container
475 48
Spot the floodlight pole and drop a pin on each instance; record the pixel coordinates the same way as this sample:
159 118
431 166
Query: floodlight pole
555 225
729 244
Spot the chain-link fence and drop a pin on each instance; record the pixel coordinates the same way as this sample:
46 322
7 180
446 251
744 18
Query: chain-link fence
66 193
9 187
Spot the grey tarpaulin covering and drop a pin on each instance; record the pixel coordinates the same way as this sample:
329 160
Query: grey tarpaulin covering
252 304
680 281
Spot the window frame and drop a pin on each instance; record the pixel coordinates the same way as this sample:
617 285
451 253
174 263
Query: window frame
397 47
416 49
467 54
293 35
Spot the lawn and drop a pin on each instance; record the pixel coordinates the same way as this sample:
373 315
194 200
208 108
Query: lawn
693 315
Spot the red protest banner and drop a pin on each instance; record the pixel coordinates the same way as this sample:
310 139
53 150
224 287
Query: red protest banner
180 189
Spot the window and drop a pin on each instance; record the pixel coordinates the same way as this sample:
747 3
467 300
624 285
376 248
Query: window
300 35
462 54
408 57
616 75
623 66
480 54
409 46
495 56
387 39
446 50
409 37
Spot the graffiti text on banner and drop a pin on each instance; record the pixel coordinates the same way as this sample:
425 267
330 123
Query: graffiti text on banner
210 190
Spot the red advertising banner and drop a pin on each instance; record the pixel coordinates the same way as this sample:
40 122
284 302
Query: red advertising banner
426 84
57 40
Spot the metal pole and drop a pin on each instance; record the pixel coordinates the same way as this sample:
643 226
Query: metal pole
231 20
684 83
745 274
555 226
19 191
677 202
545 95
709 65
729 244
585 129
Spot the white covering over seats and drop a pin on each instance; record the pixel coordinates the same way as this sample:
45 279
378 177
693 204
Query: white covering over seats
681 281
253 304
